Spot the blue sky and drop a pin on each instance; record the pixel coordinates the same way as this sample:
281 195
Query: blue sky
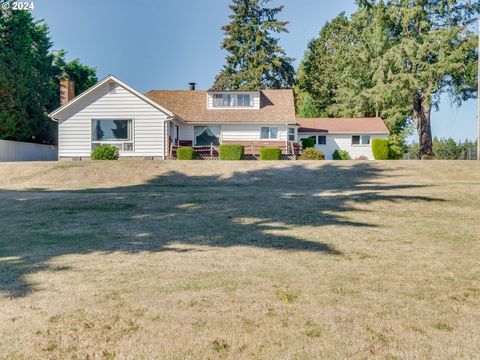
164 44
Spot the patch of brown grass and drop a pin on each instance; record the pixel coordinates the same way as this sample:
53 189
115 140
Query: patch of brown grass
188 260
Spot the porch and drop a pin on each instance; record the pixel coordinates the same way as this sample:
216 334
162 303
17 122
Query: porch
290 150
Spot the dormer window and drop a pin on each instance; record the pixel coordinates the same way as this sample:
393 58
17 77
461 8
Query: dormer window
232 101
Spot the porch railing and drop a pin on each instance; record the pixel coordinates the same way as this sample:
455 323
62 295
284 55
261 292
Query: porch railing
290 149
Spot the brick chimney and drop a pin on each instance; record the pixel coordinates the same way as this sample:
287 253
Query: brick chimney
67 90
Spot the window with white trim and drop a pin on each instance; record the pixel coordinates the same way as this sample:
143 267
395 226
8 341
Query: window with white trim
114 132
232 101
268 133
322 140
358 140
291 134
207 135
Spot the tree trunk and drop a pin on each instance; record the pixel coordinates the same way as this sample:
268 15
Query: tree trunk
421 116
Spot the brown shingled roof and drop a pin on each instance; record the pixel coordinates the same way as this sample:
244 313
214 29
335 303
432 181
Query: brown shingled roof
276 106
373 125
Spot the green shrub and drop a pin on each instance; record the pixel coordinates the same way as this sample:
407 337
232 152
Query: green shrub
231 152
270 153
341 155
185 153
308 143
380 149
105 152
312 154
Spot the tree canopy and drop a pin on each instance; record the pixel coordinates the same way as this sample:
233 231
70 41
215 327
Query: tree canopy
29 74
394 59
255 58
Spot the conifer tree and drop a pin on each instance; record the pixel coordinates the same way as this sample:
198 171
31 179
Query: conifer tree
255 58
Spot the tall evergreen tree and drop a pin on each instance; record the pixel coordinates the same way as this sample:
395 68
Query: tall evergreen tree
396 58
255 58
29 77
432 50
25 81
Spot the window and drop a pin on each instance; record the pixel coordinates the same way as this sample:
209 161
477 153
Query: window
243 100
114 132
207 135
361 140
269 133
322 140
355 140
366 140
291 134
232 100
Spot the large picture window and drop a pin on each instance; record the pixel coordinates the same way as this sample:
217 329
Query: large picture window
114 132
207 135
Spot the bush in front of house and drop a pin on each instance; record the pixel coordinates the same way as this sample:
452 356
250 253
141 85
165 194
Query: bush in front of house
380 149
185 153
270 153
308 143
312 154
231 152
341 155
105 152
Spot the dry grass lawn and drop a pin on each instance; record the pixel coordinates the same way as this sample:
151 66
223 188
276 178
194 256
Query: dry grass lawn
279 260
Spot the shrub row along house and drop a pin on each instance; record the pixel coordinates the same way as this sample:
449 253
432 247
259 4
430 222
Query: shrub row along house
154 124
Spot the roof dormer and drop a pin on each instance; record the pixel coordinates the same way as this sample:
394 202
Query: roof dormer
230 100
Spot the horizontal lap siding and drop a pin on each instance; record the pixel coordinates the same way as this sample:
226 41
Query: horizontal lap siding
236 132
148 122
344 142
249 132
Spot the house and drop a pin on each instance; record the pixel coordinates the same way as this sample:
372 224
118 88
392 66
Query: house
151 125
351 134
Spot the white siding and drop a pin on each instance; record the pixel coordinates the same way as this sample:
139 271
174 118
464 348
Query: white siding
239 132
344 142
74 129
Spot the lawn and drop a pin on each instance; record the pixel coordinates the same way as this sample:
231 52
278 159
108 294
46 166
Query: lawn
279 260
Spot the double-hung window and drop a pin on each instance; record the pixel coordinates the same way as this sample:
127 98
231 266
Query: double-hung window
269 133
114 132
322 140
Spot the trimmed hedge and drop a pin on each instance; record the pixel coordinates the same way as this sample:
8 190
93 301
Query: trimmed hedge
308 143
312 154
341 155
185 153
270 153
380 149
231 152
105 152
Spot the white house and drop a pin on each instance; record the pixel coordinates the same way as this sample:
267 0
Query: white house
150 125
352 134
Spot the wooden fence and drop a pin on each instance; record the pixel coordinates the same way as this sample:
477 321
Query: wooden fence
290 151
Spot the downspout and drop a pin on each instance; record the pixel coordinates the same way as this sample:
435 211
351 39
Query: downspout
165 137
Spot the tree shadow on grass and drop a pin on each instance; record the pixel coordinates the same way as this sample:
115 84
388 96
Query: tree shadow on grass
257 209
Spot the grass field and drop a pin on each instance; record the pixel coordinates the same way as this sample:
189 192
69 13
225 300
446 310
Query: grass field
284 260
